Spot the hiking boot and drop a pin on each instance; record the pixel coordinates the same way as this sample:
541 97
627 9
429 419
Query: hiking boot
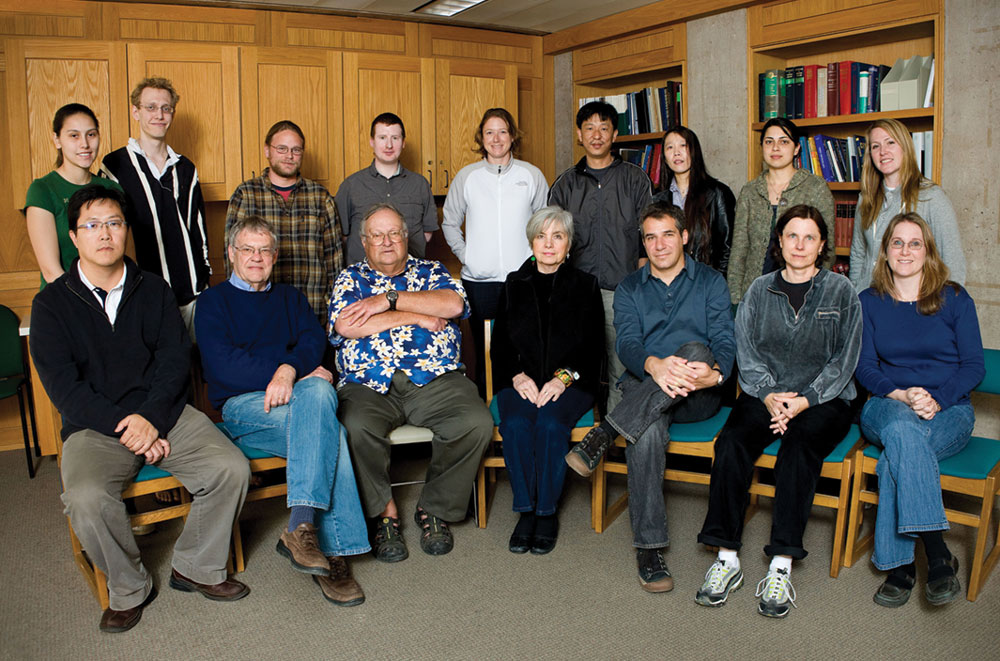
586 454
776 593
720 580
654 576
301 547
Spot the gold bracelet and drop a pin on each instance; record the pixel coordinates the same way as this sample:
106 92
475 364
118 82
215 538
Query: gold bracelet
565 377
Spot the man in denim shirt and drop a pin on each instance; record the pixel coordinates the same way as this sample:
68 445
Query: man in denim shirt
675 337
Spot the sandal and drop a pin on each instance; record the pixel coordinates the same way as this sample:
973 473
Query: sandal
436 538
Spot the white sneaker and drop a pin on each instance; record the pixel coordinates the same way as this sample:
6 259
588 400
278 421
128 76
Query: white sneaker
775 592
720 580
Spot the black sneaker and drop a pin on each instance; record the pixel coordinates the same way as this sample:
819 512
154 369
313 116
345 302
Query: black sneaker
945 588
586 454
654 575
388 544
436 538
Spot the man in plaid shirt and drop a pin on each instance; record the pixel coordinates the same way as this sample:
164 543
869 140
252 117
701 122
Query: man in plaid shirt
302 213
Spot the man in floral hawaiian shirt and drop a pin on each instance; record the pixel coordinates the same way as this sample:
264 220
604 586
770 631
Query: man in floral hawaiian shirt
393 321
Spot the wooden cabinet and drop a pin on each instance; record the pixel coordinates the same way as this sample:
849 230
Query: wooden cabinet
45 74
374 84
53 18
206 126
304 86
344 33
464 91
133 21
802 32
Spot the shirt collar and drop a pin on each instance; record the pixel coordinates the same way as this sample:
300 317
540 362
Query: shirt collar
243 285
172 156
91 286
688 270
375 173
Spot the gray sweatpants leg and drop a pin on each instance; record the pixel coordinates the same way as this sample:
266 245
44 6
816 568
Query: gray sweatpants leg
95 469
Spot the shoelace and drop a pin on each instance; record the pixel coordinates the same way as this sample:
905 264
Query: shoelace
716 575
338 568
776 586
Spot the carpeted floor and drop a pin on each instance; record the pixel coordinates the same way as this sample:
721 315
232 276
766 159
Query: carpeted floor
582 601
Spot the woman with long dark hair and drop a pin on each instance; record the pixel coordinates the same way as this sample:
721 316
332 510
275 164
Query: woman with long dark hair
921 356
77 139
709 205
891 184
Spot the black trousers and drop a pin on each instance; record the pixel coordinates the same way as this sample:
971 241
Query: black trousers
811 436
483 299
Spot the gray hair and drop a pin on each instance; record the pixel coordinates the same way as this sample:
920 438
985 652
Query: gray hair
546 216
254 225
382 206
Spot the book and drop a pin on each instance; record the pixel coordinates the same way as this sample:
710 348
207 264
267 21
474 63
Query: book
821 87
760 96
863 78
809 90
771 94
929 95
856 69
789 78
799 91
832 90
805 163
929 154
824 158
831 152
814 158
657 164
844 80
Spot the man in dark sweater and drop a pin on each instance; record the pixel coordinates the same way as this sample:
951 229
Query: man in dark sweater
165 208
113 355
261 348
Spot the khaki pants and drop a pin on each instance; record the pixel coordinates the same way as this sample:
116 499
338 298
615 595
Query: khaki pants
95 469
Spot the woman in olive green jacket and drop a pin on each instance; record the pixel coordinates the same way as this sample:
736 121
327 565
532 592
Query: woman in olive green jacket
762 200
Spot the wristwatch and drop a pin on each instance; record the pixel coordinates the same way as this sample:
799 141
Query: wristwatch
392 296
721 379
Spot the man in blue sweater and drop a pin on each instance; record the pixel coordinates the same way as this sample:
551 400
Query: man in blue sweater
113 355
261 347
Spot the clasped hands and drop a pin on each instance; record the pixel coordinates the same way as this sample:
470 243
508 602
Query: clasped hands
679 377
359 312
783 406
141 437
525 386
918 399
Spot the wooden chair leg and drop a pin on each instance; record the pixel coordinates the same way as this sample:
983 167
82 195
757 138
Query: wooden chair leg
237 561
856 544
481 494
843 500
982 565
95 578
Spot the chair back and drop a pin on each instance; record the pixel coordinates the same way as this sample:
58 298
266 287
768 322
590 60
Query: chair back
991 382
487 338
11 360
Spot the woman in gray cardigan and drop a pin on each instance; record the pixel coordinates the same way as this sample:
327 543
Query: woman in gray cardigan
891 184
798 336
780 187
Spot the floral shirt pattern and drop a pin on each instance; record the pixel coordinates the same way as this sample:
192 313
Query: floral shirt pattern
421 354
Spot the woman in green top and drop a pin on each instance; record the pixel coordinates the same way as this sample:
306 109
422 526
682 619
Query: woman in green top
77 139
762 200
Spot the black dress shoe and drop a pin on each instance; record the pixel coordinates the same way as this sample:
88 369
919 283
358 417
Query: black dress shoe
546 533
895 591
113 621
946 588
524 531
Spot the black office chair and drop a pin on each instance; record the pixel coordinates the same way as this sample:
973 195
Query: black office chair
14 377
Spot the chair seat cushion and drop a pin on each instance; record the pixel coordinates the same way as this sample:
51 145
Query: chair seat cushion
405 434
699 432
836 455
586 420
150 472
974 462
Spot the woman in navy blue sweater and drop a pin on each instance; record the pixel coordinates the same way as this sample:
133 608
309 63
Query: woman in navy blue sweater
921 355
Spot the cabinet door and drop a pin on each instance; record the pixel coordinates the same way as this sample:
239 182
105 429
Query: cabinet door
464 91
304 86
374 84
45 74
206 126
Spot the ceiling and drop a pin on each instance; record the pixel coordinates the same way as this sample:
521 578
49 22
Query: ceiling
537 16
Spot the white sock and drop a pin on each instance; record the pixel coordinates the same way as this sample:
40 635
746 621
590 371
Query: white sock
730 558
781 562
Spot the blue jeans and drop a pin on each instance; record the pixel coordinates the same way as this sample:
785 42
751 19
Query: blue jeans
534 442
909 483
320 475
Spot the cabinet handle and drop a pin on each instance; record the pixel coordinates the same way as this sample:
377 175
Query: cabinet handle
430 179
446 179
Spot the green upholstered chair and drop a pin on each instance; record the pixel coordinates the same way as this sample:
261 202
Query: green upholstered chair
14 380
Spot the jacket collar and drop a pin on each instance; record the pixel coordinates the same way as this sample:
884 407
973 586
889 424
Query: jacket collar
581 165
499 169
528 269
133 276
760 183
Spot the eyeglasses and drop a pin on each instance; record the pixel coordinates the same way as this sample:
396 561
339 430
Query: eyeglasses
151 108
284 149
897 244
94 225
250 251
395 236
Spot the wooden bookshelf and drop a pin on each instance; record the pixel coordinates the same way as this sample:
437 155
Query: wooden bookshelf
802 32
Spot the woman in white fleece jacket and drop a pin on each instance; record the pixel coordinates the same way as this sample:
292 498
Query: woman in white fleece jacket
494 197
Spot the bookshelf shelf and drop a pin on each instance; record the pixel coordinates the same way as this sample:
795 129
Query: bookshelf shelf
862 118
844 185
640 137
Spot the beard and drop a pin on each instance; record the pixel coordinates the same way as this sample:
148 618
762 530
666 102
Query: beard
286 170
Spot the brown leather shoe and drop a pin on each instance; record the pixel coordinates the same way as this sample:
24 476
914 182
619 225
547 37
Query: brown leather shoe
113 621
339 587
228 590
302 548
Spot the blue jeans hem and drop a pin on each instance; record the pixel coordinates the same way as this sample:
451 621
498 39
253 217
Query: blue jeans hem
924 527
316 505
361 550
652 546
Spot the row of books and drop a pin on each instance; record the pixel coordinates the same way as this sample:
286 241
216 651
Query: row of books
842 159
845 88
648 110
649 158
843 225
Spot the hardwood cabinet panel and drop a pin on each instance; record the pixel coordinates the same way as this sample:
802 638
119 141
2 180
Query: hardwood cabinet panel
305 87
206 127
54 18
522 50
150 22
792 20
374 84
344 33
464 90
44 74
646 51
531 120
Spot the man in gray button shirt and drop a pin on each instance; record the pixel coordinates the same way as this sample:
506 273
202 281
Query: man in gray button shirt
386 181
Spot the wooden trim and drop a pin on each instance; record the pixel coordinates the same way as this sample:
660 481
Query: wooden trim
628 22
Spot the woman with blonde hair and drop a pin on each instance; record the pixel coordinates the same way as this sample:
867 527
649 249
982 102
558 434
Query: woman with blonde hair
921 355
891 184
